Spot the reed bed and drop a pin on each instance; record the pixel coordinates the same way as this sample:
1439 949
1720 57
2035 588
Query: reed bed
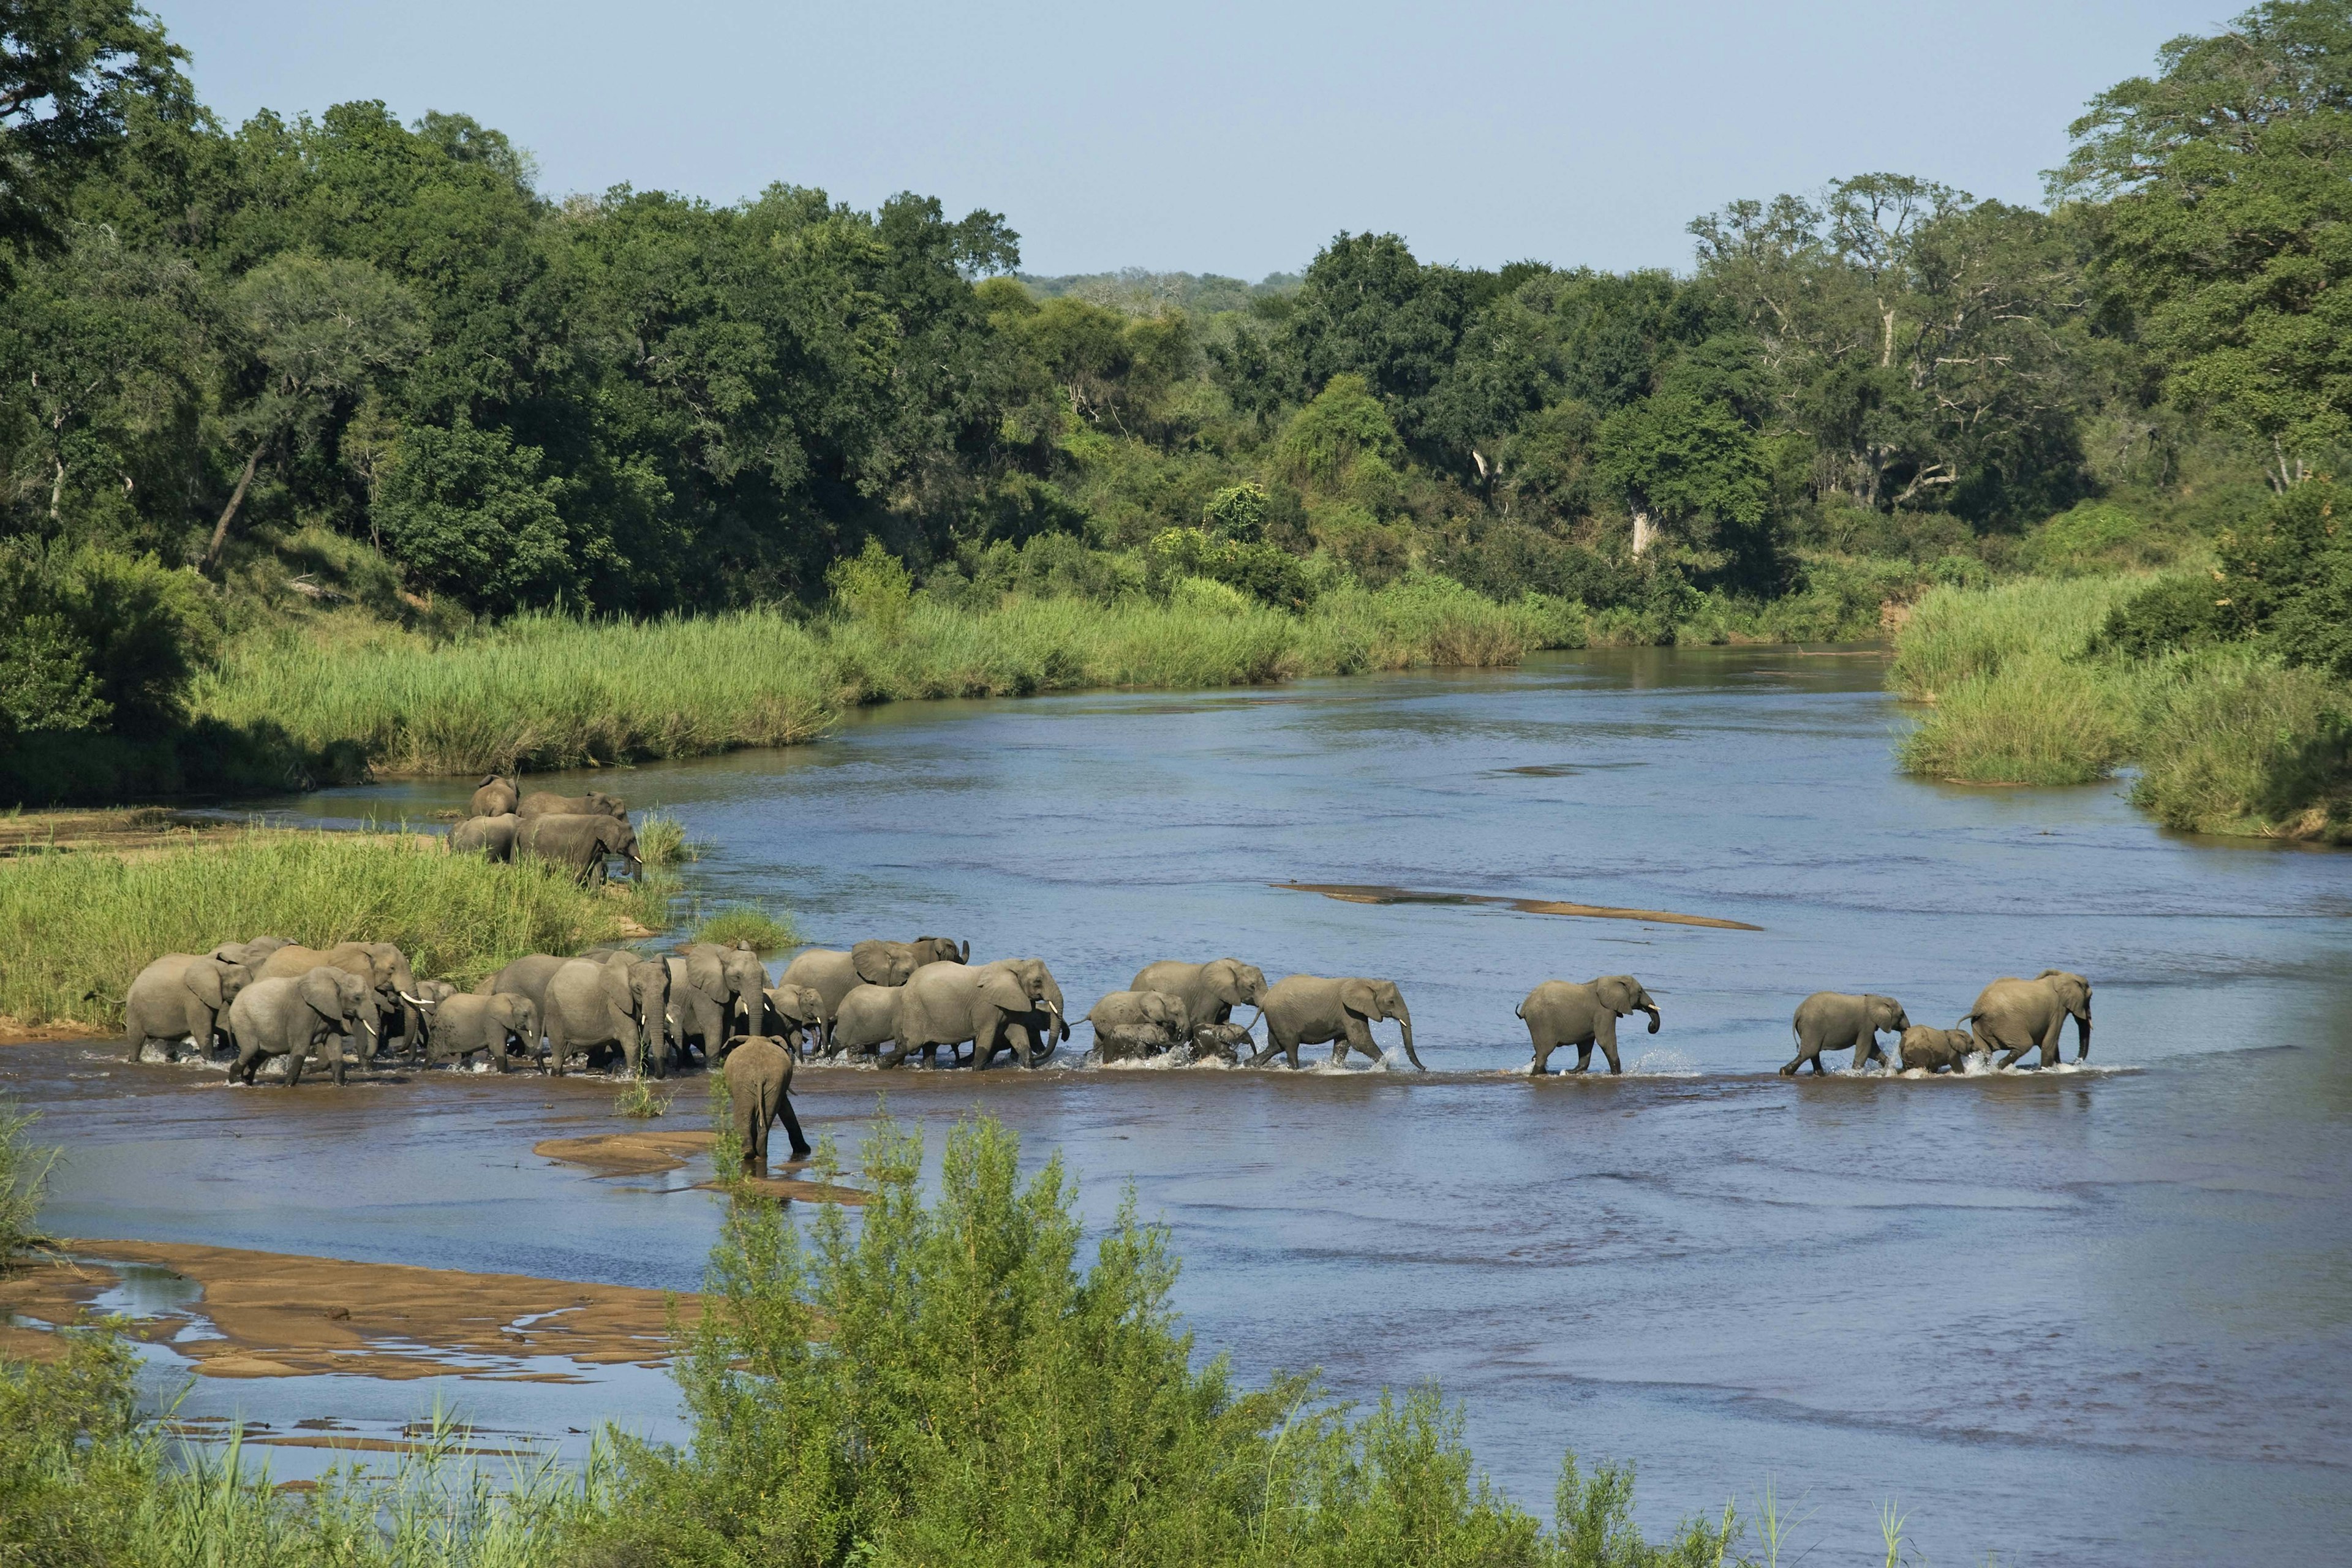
79 927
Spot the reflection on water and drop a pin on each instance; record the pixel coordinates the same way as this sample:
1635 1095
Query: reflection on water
2093 1317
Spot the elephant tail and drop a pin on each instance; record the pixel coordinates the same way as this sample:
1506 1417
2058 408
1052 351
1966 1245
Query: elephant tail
1520 1011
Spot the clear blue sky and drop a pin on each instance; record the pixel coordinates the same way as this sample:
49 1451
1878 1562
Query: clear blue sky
1227 138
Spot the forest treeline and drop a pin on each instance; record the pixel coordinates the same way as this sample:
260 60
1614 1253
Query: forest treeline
247 370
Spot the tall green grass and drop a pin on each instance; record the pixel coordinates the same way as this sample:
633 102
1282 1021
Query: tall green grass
24 1183
543 692
78 927
2234 743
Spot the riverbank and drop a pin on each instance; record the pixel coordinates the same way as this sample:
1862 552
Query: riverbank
2024 687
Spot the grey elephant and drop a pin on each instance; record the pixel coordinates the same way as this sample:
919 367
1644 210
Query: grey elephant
580 842
614 1001
1308 1009
866 1020
834 973
1210 990
179 995
1011 1005
252 954
1129 1042
796 1012
759 1093
1833 1020
492 837
290 1016
1151 1009
1936 1051
1222 1041
595 803
715 993
527 976
2017 1015
430 994
465 1023
494 797
1560 1014
381 966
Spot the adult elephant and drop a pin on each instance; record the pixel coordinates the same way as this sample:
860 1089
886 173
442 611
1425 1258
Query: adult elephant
615 1001
380 964
1153 1010
1833 1020
494 797
1308 1009
579 842
291 1016
759 1093
1210 990
1011 1005
493 837
2017 1015
595 803
714 992
252 954
470 1023
834 973
180 993
526 977
1559 1014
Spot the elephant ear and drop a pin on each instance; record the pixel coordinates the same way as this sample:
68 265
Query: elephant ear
203 978
617 992
321 989
873 961
706 970
1616 993
1002 990
1355 996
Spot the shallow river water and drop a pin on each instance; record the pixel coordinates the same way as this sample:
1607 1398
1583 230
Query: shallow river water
2089 1317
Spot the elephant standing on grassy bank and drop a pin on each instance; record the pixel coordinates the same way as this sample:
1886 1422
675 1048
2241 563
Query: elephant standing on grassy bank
492 837
495 797
179 995
1833 1020
2017 1015
580 842
614 1001
1011 1005
1559 1014
1308 1009
1210 990
289 1015
759 1093
834 974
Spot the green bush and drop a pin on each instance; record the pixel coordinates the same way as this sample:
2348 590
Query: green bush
872 585
1266 573
2098 536
95 641
2283 580
2233 743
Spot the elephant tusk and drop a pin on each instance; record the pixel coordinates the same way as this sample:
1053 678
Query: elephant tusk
417 1001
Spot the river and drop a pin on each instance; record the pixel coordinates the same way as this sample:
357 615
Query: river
2090 1317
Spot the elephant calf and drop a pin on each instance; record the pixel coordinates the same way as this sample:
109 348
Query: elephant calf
759 1075
1558 1013
495 797
1935 1050
1129 1042
1222 1041
795 1013
463 1024
1164 1015
1833 1020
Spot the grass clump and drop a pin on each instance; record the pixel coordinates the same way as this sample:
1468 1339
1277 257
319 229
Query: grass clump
640 1101
754 927
24 1182
662 841
78 927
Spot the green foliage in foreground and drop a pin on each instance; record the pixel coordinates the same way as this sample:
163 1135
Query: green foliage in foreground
2029 688
79 927
24 1181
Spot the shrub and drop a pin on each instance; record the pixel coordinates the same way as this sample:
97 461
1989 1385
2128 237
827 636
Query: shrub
871 586
2285 581
1957 634
94 640
2032 720
2235 744
2098 536
1266 573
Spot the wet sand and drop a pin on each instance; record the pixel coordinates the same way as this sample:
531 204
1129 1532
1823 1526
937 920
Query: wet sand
647 1153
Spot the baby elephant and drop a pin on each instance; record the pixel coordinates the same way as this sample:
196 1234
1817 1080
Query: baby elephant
463 1024
1222 1041
759 1085
1129 1042
792 1013
1153 1010
1936 1051
1833 1020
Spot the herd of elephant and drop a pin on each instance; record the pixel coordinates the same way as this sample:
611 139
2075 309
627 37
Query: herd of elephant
576 831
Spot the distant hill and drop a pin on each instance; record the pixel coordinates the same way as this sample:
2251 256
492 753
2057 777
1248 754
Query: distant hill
1140 292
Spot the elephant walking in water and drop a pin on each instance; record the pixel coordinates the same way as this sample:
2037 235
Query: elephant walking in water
615 1001
759 1075
1154 1013
1210 990
287 1015
495 797
2017 1015
179 995
1933 1050
1833 1020
1308 1009
1559 1014
1011 1005
833 973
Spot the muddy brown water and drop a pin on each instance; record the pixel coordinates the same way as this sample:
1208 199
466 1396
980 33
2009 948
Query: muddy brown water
2087 1317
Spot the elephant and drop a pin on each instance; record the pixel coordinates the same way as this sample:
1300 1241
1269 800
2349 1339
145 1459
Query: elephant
1129 1042
492 837
527 978
1222 1041
494 797
469 1022
1210 990
1559 1014
1308 1009
381 964
866 1020
287 1015
580 841
948 1004
794 1012
180 993
617 1001
1833 1020
759 1092
833 973
595 803
252 954
1152 1009
1936 1050
706 988
2016 1016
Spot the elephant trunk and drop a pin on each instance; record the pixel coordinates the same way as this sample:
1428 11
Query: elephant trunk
1404 1022
1652 1009
2083 1035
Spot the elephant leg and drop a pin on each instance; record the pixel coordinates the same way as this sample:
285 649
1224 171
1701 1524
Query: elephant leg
792 1126
751 1132
1357 1036
1543 1058
1584 1056
296 1060
1604 1035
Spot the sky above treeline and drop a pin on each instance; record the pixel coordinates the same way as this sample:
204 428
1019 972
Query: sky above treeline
1220 137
